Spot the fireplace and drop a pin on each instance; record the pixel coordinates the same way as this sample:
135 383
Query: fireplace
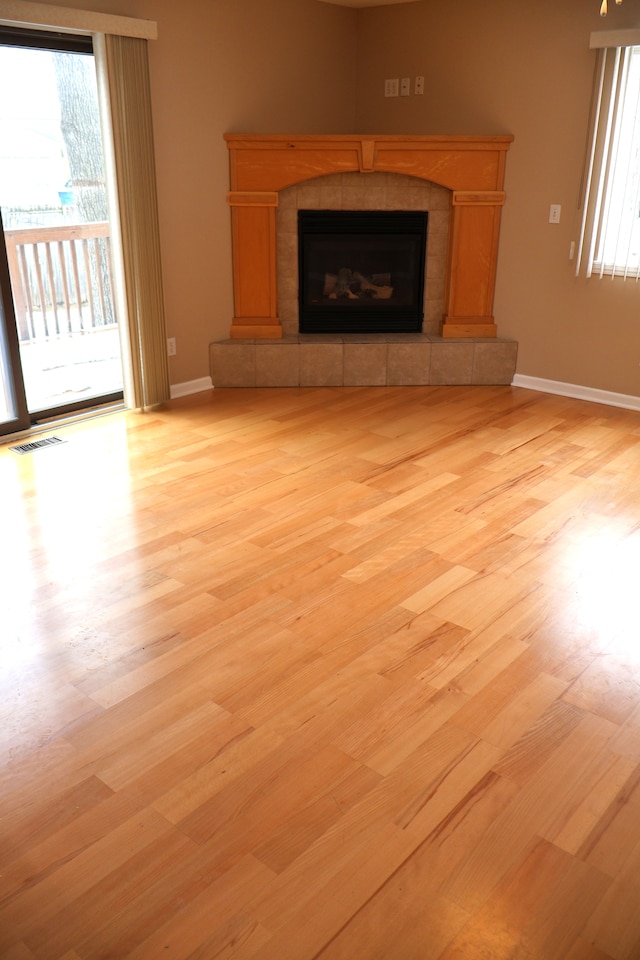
456 183
471 168
361 271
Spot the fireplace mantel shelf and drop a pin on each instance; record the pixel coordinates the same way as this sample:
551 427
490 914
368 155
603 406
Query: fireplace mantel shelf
471 167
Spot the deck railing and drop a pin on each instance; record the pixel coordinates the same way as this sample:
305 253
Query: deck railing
61 279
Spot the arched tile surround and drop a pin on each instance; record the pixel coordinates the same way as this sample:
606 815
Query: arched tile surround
363 191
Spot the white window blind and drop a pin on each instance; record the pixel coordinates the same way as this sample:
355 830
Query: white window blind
610 230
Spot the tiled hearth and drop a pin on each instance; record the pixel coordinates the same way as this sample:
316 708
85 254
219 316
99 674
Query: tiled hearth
362 360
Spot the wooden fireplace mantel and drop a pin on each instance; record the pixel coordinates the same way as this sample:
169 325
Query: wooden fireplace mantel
472 167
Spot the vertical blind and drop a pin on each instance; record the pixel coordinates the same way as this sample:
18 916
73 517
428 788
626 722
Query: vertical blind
609 241
132 131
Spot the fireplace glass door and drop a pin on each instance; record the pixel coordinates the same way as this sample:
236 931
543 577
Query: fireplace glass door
361 271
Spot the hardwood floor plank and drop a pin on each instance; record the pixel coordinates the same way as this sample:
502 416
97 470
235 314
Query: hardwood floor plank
34 913
76 920
299 928
324 674
397 926
21 952
408 916
544 882
22 871
614 924
245 813
607 688
537 744
582 831
240 747
439 588
186 930
30 828
523 711
532 810
396 748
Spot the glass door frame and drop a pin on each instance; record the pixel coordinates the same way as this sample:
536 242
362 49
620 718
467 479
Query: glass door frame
10 350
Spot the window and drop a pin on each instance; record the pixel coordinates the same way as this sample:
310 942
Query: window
610 234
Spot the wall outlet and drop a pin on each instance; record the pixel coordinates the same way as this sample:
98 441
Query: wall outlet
405 86
171 346
391 88
554 213
418 86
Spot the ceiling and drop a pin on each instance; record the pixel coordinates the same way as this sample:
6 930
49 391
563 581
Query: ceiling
365 3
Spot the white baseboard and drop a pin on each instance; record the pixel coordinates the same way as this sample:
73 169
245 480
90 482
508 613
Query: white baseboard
191 386
628 401
558 387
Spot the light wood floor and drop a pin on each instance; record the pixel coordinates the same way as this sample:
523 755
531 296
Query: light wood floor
326 673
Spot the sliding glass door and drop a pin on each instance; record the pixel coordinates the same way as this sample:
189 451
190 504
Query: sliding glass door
13 404
56 240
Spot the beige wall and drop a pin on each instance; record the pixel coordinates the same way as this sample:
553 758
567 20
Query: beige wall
520 67
232 66
299 66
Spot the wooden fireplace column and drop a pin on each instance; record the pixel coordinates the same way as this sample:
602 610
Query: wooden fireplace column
471 167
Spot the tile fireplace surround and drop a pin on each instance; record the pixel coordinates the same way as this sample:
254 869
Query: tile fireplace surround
458 180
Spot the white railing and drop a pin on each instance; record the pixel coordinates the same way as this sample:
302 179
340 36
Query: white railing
61 279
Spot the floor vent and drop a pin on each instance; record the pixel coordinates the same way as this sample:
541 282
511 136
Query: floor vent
36 444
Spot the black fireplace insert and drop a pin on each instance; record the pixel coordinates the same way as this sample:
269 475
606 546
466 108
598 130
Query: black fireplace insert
361 271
